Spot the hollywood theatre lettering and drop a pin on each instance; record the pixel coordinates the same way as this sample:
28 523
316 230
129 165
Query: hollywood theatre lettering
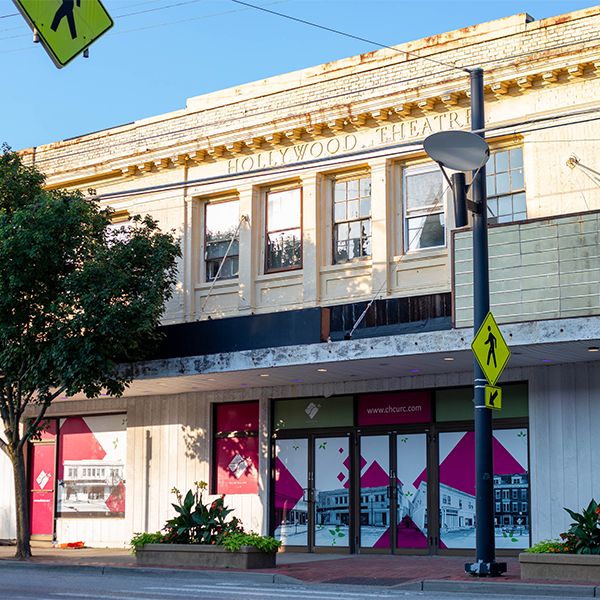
391 133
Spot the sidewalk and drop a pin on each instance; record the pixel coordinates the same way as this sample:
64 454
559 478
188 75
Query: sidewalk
427 573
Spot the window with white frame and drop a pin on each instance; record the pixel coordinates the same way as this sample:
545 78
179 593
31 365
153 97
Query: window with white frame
221 220
424 220
351 219
284 230
506 186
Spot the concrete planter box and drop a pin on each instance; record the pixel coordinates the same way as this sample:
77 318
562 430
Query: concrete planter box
569 567
197 555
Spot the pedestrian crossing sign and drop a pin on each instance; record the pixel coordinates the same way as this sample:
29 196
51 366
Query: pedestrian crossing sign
65 27
490 349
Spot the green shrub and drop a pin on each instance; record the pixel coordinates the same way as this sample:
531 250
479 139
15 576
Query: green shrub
197 522
583 537
264 543
140 539
547 546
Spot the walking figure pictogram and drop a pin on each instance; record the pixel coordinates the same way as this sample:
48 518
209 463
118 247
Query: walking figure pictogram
491 340
66 10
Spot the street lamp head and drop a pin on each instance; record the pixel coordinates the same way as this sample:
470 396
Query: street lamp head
457 150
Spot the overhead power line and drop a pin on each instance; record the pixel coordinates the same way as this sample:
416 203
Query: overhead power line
348 35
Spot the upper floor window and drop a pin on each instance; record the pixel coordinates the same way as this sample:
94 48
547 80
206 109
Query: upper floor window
284 230
424 221
220 228
351 219
506 186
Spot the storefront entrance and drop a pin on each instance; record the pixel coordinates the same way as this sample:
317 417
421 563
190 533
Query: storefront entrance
385 473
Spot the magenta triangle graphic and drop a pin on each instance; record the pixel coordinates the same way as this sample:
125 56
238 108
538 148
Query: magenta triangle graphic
374 476
458 469
408 535
77 442
288 491
384 541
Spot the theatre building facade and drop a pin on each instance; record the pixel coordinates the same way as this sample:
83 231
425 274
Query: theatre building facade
316 364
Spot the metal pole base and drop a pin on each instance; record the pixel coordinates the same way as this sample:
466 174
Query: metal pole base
485 569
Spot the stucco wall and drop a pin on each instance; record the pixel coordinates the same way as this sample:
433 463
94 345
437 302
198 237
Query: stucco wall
7 499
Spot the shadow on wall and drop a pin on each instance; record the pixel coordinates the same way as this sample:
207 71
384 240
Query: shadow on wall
194 439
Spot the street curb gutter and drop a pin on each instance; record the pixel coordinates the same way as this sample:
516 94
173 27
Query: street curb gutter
157 571
513 589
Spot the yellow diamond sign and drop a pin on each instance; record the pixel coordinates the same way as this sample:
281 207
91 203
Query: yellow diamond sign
66 27
490 349
493 397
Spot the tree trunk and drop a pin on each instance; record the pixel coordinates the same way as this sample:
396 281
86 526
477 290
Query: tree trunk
22 505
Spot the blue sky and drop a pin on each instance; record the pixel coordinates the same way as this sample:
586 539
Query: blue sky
161 52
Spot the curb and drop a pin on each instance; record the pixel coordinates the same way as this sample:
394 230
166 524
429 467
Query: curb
155 571
513 589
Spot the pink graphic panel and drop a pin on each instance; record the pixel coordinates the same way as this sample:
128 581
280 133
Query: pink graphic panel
42 513
42 489
48 431
394 408
237 416
237 465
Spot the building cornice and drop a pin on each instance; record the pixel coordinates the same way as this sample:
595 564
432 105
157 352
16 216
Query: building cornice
354 117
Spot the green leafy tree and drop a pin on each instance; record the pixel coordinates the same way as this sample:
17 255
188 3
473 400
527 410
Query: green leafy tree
78 300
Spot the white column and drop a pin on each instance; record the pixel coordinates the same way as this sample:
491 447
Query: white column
380 225
189 262
311 251
249 250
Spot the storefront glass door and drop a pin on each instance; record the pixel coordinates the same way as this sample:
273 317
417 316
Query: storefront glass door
375 492
411 469
331 492
291 492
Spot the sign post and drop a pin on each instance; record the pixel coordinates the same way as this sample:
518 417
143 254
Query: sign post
65 27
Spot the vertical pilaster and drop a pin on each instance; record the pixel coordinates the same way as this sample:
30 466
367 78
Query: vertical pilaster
249 250
311 198
380 225
189 260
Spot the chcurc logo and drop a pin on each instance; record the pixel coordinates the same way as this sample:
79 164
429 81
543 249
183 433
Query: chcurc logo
238 466
312 409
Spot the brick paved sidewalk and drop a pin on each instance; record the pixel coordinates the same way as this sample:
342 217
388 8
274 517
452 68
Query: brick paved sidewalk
365 569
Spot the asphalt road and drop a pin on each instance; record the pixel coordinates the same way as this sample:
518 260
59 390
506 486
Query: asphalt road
39 583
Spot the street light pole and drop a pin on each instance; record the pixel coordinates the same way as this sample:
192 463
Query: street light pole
484 467
462 152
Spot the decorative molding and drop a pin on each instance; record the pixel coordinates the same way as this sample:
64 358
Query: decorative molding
375 115
524 83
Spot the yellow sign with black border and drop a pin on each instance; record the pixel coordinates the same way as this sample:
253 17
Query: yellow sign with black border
493 397
490 349
66 27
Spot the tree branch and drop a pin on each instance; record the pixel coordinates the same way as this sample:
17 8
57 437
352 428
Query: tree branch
4 447
34 424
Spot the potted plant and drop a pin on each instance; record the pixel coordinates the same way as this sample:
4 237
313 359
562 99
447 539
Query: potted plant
575 557
202 534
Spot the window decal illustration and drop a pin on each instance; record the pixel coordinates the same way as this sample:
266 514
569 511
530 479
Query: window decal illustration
91 466
291 482
457 489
